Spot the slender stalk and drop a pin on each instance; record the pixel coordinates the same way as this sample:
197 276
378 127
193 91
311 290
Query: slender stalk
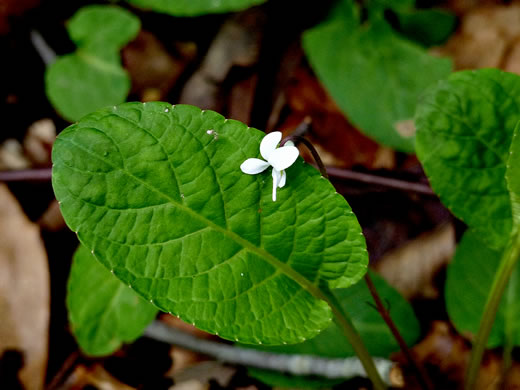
297 139
325 294
509 324
421 374
353 337
502 276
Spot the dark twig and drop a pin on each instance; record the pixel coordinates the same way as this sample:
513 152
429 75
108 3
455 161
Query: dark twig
380 180
41 174
68 364
299 139
421 374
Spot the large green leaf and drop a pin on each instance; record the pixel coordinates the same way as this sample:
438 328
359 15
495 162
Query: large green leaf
464 130
103 312
469 280
195 8
359 305
374 75
156 192
92 77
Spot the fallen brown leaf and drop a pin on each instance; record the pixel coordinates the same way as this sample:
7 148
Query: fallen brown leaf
422 258
96 375
152 69
24 291
488 36
236 44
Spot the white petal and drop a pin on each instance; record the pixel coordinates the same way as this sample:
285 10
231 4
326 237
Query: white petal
289 143
281 183
269 143
252 166
276 181
283 157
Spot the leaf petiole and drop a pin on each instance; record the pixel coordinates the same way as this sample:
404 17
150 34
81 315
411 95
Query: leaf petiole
344 322
502 276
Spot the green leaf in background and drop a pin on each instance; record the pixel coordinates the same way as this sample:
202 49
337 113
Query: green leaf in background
357 302
103 312
513 176
373 74
427 27
156 192
92 77
104 26
464 130
469 280
195 8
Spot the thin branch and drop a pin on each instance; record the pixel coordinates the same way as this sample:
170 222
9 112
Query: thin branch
41 174
380 180
46 53
292 364
299 139
421 374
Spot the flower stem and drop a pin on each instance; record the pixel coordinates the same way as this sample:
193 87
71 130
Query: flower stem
502 276
297 139
420 373
344 322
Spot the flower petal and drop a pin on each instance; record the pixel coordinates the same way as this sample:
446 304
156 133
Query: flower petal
269 143
276 180
283 157
252 166
281 183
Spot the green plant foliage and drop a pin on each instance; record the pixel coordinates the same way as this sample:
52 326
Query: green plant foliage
156 192
464 130
103 312
513 176
427 27
92 77
195 8
469 280
357 302
373 74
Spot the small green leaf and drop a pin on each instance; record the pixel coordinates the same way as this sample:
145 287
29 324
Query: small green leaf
195 8
373 75
357 302
469 280
92 77
157 193
103 312
465 125
105 26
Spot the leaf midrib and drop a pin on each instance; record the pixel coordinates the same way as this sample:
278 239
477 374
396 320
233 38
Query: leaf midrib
286 269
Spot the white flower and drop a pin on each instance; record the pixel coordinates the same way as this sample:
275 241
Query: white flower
278 158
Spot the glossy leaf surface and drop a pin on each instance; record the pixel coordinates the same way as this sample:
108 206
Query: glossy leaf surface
92 77
157 193
195 8
465 126
104 313
374 75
